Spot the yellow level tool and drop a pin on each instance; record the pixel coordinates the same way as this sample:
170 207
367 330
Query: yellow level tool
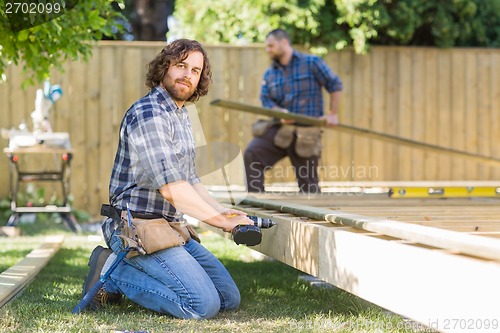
443 192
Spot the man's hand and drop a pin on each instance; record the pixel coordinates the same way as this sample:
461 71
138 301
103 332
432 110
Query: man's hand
229 212
283 121
332 119
234 220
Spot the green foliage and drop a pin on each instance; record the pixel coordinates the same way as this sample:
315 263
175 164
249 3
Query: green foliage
47 46
335 24
37 197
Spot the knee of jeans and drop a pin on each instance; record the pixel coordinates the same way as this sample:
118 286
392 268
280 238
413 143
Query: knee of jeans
232 302
208 309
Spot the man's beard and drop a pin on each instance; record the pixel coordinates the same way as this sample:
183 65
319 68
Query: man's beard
175 91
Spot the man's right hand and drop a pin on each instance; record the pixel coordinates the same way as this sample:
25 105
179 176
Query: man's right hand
235 220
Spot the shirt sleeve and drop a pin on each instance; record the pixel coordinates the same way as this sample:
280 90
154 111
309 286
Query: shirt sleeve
265 98
326 77
156 153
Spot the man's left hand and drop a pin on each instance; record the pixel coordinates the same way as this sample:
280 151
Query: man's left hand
331 119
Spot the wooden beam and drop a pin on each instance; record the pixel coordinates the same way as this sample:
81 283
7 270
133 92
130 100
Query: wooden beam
15 278
306 120
473 245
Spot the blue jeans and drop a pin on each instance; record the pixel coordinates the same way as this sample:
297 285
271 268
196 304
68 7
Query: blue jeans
185 281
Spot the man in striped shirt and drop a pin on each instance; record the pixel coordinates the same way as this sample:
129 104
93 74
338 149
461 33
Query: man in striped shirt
154 176
293 83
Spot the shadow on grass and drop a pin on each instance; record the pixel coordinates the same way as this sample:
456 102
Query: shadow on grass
268 289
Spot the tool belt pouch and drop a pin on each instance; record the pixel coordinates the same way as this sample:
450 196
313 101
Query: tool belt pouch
308 142
284 136
260 127
147 236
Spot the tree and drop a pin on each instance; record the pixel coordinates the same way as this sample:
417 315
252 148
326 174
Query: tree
149 18
335 24
43 41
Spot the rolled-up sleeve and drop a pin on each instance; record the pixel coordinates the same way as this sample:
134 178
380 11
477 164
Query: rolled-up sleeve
326 76
265 96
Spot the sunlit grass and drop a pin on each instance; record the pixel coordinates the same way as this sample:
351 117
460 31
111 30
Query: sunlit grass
273 298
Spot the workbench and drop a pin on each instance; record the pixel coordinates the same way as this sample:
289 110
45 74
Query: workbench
62 175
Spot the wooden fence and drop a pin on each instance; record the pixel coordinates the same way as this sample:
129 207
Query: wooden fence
448 97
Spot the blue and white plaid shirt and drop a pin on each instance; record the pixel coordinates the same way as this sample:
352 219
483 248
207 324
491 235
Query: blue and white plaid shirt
297 86
156 147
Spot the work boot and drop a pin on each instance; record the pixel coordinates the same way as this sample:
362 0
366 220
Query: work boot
96 262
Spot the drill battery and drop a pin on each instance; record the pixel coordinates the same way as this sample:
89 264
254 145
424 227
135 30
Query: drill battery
251 235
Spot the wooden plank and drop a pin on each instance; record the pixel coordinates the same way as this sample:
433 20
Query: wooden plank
76 93
362 104
106 125
330 156
484 109
5 123
346 142
471 134
354 130
15 278
133 81
405 116
391 115
379 109
92 120
418 116
444 110
495 105
458 106
431 112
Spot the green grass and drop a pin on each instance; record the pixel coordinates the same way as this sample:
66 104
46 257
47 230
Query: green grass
273 298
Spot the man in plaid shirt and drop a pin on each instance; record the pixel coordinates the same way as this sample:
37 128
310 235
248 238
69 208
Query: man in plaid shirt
293 83
154 176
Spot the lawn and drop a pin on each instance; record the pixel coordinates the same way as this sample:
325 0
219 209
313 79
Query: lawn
274 299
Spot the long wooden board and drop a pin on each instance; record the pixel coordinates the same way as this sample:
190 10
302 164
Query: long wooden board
15 278
306 120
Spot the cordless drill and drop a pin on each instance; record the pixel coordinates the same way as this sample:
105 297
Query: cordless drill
251 235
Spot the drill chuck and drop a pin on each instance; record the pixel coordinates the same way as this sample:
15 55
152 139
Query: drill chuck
261 222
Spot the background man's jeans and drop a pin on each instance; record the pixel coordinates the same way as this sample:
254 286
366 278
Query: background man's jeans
184 281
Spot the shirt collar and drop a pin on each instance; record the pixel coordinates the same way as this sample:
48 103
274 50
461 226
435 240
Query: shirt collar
164 98
295 55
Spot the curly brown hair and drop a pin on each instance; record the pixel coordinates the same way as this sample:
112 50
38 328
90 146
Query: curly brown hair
174 53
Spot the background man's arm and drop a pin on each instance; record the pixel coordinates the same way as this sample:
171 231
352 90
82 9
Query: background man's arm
332 117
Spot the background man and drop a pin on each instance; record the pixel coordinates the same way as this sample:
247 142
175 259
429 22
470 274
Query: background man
293 83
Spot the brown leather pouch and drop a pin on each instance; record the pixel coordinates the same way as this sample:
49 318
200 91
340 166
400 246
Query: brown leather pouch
308 142
284 136
261 126
147 236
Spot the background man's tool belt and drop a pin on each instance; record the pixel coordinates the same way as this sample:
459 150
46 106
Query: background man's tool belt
149 233
261 126
308 142
284 136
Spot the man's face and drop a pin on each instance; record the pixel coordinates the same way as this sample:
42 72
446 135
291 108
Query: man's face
182 78
274 48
